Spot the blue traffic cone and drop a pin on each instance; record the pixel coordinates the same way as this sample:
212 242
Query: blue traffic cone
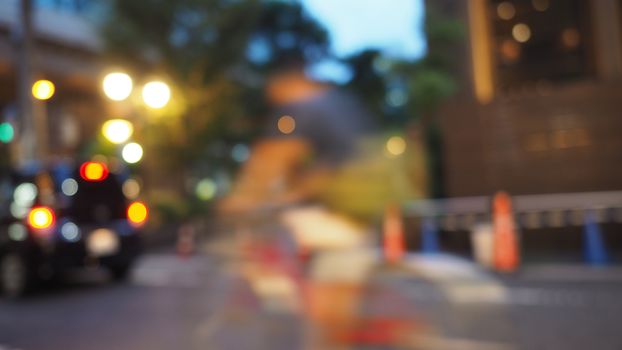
429 236
594 250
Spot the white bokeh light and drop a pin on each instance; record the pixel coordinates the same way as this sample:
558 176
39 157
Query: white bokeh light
132 153
156 94
117 86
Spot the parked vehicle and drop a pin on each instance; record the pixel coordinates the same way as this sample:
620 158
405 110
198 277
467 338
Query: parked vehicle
58 219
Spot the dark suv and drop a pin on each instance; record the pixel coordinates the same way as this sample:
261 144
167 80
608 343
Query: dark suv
51 221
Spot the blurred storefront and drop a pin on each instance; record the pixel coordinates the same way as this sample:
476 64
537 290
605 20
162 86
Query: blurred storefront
67 51
538 110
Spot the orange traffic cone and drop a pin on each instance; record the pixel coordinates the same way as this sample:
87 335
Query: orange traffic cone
505 253
393 235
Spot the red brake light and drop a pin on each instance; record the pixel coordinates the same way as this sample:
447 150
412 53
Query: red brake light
41 218
93 171
137 213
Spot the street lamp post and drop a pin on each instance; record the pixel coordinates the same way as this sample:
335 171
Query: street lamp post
118 86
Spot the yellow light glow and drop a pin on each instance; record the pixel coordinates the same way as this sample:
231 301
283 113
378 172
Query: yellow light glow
506 10
206 189
117 86
43 89
137 213
521 32
571 38
117 130
156 94
286 124
94 171
540 5
132 153
396 146
41 217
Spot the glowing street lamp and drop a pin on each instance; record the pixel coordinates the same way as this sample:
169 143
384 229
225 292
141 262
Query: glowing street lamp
132 153
43 90
396 146
117 86
156 94
117 130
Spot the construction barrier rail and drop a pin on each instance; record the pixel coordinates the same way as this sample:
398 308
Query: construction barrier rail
507 215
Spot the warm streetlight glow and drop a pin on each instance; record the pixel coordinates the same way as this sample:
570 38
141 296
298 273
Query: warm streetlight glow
117 130
156 94
396 146
206 189
132 153
521 32
43 90
117 86
286 124
41 217
137 213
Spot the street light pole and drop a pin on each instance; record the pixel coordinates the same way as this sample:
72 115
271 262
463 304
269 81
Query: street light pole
25 149
32 141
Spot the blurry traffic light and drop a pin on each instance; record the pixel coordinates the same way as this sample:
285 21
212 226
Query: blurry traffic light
6 132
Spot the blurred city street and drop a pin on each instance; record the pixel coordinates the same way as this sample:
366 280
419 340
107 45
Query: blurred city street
205 302
310 174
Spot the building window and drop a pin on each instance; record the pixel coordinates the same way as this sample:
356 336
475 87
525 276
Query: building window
539 40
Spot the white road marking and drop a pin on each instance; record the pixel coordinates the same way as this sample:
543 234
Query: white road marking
167 270
442 343
463 282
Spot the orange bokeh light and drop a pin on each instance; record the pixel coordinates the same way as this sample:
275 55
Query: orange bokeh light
41 217
92 171
137 213
286 124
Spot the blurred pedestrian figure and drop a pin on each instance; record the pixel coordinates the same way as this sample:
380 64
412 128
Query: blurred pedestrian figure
313 131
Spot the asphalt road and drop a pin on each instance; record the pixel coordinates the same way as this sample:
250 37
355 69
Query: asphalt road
204 303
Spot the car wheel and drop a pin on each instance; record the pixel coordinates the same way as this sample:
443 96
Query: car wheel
14 275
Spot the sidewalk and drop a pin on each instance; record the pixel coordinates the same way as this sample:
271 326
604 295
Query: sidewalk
570 273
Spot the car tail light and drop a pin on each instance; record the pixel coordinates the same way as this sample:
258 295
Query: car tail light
93 171
137 213
41 218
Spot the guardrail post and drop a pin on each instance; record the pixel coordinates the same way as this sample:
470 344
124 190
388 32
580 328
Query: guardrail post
594 250
429 236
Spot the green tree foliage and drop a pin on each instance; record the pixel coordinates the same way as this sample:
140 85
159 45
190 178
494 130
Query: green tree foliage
217 54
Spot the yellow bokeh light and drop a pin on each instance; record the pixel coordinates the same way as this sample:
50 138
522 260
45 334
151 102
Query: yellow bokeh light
117 130
571 38
521 32
540 5
43 89
94 171
156 94
506 10
41 217
396 146
137 212
286 124
117 86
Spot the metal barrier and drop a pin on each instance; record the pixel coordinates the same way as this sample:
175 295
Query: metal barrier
589 209
530 211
